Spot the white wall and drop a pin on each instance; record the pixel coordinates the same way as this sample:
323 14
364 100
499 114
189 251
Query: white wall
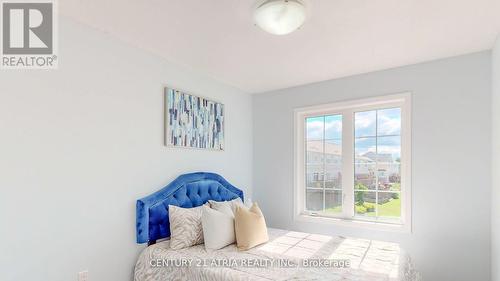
495 203
80 144
451 159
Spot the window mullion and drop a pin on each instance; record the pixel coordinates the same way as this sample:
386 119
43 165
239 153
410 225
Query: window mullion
376 164
348 163
324 164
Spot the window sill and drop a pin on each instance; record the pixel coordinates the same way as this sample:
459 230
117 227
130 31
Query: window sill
370 225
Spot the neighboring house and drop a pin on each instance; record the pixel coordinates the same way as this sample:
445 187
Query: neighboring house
328 170
365 171
388 168
367 165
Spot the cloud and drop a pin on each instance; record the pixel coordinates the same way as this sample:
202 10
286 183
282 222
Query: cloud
314 129
388 125
387 121
364 123
333 128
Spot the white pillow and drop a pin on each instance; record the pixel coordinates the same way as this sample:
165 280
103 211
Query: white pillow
218 227
185 226
217 205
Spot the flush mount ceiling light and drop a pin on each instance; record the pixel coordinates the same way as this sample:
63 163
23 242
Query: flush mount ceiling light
280 17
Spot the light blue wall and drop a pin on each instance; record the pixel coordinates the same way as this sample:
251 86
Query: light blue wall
80 144
451 159
495 204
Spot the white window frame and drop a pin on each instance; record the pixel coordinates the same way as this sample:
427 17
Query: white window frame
347 109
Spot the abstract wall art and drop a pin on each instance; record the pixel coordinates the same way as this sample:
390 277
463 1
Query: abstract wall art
193 122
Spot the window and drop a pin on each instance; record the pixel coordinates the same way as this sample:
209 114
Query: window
352 161
324 163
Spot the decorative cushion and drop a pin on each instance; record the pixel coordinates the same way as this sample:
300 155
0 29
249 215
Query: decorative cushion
250 227
187 191
218 227
185 226
217 205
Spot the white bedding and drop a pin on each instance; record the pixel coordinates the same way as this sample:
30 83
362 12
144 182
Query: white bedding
282 258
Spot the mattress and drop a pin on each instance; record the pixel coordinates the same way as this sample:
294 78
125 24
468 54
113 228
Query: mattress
288 255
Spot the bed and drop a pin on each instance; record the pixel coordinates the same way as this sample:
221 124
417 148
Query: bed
289 255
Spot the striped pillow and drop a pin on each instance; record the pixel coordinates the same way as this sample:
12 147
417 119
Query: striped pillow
185 226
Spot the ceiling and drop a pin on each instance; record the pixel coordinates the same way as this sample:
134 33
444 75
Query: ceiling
340 37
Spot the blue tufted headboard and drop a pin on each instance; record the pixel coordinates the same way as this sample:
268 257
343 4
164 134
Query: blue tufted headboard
187 191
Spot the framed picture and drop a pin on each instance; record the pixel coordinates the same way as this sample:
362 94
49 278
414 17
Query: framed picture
192 121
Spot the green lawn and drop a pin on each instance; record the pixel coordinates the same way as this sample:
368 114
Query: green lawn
337 209
391 208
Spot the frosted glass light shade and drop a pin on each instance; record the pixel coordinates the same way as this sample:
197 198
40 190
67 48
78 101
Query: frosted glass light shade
280 17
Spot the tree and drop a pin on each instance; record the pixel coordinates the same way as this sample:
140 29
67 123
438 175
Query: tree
360 195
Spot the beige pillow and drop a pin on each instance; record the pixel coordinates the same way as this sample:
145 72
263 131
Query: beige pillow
250 227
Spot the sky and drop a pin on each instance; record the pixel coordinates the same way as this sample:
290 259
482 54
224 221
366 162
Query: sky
376 128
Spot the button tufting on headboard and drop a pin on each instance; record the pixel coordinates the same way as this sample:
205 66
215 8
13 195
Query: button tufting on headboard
187 191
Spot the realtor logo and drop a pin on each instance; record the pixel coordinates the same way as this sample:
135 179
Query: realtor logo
28 37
